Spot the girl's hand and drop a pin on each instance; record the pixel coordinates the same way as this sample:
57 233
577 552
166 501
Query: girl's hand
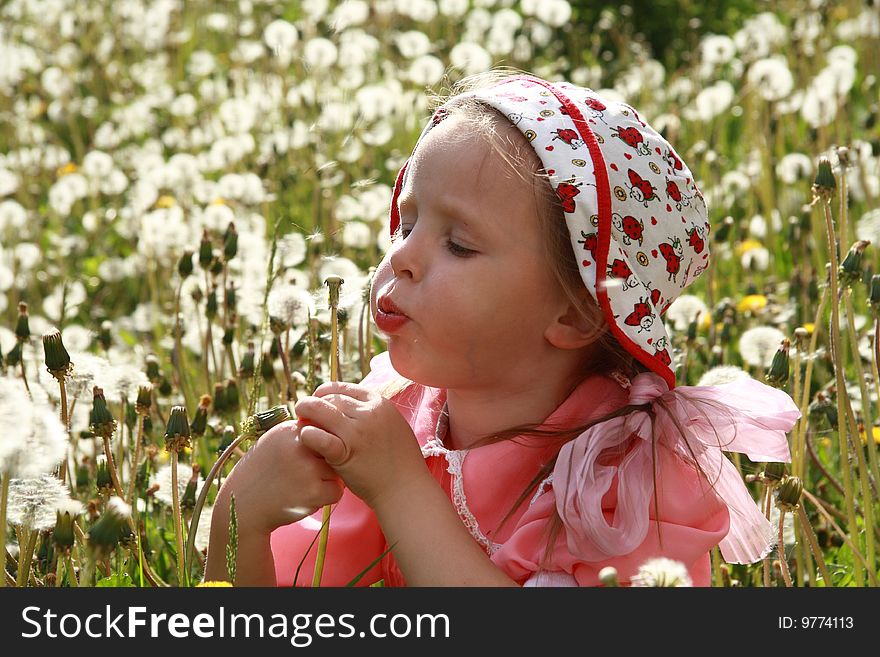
364 437
279 481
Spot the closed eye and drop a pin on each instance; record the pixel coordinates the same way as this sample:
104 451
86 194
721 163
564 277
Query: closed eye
456 249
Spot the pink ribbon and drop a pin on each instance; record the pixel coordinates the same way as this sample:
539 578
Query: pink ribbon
753 419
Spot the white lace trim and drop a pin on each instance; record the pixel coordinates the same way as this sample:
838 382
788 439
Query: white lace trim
541 488
455 459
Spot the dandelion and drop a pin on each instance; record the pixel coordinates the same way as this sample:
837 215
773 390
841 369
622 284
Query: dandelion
32 501
758 345
684 310
662 572
771 77
292 305
722 374
33 440
710 102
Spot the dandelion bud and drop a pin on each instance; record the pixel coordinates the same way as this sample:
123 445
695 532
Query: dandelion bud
196 294
777 375
101 420
851 267
164 386
800 336
151 363
230 242
334 282
216 267
219 398
259 423
206 250
230 299
144 400
22 326
233 398
246 369
57 358
177 434
299 348
789 496
105 339
211 304
843 156
608 576
200 419
874 293
82 476
277 325
717 357
188 500
824 184
773 471
274 349
103 478
110 528
62 535
141 477
226 439
267 369
185 264
13 358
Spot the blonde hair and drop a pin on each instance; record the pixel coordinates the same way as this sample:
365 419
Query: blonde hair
605 353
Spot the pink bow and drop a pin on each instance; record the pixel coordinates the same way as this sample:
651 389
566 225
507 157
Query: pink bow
753 420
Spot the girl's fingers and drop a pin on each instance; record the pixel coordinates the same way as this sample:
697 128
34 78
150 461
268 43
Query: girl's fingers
343 387
326 412
331 447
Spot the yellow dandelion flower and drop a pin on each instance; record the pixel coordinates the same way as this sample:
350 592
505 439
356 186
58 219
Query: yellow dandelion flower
166 201
219 201
68 168
213 584
809 326
752 303
747 245
705 321
825 443
875 431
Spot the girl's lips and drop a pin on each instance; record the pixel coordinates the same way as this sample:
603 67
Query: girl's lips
390 322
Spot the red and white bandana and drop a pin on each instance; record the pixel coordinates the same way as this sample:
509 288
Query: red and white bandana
638 224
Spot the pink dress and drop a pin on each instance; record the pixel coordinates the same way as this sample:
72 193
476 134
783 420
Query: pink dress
484 482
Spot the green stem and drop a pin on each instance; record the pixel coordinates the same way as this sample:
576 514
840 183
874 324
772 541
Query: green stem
4 502
178 530
814 545
841 383
780 548
25 557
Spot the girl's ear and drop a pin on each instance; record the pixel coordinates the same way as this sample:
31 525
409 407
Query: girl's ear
576 327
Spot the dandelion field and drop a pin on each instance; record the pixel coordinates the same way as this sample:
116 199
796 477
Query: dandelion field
193 194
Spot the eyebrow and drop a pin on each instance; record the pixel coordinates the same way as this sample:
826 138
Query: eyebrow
451 210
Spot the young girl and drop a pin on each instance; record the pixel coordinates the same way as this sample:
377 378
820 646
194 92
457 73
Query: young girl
523 427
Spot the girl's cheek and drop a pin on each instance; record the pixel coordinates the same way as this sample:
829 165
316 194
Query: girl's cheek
384 273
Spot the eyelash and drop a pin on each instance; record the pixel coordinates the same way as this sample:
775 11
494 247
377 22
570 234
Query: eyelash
455 249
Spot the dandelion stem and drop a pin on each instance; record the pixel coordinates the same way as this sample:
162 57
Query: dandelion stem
798 466
71 573
203 496
765 508
780 548
111 466
66 422
843 535
178 530
179 363
4 502
814 545
25 557
837 360
24 375
283 355
139 436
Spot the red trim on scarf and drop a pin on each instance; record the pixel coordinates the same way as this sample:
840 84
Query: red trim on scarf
395 211
603 191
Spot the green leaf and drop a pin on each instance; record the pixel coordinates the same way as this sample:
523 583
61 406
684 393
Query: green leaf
117 580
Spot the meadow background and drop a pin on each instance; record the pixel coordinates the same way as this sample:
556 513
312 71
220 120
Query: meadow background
179 179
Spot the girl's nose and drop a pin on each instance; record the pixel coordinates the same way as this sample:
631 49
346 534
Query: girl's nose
407 256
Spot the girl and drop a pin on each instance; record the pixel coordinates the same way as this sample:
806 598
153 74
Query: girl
523 427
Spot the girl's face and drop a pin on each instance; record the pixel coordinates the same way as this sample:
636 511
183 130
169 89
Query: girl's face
468 268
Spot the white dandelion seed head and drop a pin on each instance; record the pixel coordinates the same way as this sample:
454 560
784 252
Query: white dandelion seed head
166 491
203 531
663 572
684 310
868 226
722 374
771 77
70 506
123 381
757 259
758 345
470 57
292 305
33 440
710 102
717 49
33 500
794 167
117 507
